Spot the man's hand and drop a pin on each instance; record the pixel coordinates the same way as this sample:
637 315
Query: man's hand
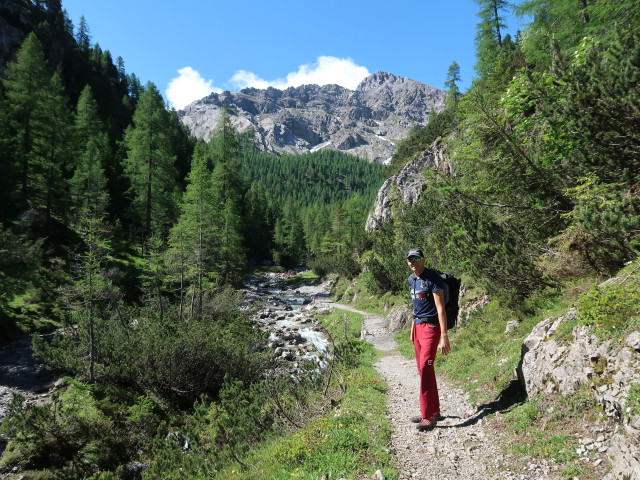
444 346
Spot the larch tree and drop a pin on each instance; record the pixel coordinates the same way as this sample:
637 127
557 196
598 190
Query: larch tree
228 191
489 33
192 241
83 36
26 81
289 235
258 228
451 82
52 153
149 167
89 183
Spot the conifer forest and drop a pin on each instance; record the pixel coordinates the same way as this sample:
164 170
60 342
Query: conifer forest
124 239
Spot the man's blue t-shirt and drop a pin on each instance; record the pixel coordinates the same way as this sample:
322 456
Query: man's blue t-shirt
421 290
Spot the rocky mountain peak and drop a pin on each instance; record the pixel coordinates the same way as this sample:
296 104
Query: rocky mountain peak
366 122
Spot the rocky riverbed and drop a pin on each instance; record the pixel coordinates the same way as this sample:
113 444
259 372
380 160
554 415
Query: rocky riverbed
287 314
20 373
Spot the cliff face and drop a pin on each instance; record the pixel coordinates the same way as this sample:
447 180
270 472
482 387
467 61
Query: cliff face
14 20
407 185
607 369
366 122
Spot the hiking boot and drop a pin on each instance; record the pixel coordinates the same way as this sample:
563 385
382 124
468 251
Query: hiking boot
426 424
437 417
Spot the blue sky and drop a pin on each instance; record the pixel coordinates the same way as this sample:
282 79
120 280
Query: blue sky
192 47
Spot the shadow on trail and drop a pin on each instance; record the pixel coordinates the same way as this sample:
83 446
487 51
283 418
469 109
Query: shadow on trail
511 396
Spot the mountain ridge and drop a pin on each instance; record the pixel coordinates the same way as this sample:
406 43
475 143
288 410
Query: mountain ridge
366 122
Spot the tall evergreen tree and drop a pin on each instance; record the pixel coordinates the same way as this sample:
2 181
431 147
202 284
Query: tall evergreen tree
451 82
83 35
489 34
258 227
289 236
89 183
52 153
91 300
228 192
193 242
150 166
26 80
7 167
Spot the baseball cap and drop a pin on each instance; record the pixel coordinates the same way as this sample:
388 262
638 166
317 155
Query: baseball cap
415 252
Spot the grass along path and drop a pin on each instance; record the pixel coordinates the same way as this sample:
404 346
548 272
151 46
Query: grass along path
461 446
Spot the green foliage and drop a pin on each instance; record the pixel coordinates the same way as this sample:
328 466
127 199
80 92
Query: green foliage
347 438
67 434
345 265
453 77
548 427
612 309
322 177
191 256
150 166
20 258
239 419
228 189
420 139
175 360
489 38
632 404
92 153
38 131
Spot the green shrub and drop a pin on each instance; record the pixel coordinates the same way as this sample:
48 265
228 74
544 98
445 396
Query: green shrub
342 264
71 428
610 309
173 358
633 401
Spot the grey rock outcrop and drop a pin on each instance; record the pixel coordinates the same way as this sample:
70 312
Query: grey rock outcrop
365 122
398 318
608 368
14 17
407 185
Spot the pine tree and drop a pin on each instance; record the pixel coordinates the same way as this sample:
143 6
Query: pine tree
7 168
89 183
489 34
289 236
258 227
192 241
83 37
92 299
228 192
26 80
52 153
149 166
451 82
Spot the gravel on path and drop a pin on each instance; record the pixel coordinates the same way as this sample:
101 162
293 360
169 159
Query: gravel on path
461 446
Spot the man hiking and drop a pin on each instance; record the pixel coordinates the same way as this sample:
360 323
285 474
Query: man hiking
428 333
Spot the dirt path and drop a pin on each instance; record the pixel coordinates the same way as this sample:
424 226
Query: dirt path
461 446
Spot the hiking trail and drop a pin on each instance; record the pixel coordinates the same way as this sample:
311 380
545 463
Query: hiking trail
462 445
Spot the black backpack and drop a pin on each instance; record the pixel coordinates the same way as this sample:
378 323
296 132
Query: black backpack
451 297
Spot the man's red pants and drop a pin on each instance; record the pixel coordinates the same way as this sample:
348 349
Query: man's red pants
425 343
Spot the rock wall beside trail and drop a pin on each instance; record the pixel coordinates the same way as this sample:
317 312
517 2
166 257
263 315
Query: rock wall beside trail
398 318
407 185
608 368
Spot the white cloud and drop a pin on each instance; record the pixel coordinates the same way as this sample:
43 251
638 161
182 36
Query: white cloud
326 70
188 87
